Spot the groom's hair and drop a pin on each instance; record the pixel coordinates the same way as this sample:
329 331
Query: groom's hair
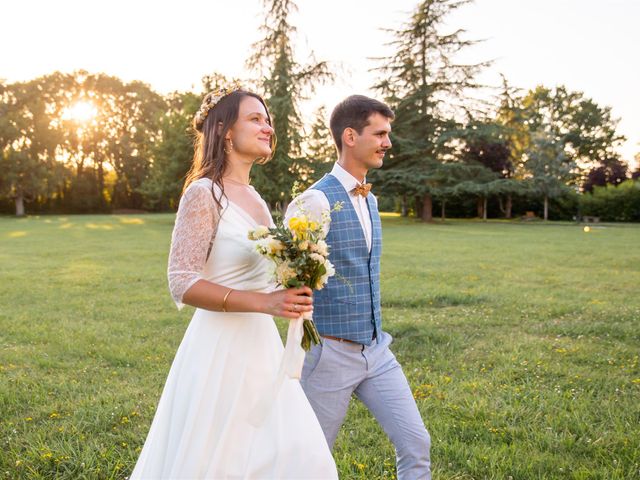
354 112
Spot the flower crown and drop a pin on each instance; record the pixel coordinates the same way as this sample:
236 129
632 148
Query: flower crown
211 99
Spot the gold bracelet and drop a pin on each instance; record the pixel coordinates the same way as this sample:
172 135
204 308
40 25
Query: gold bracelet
224 300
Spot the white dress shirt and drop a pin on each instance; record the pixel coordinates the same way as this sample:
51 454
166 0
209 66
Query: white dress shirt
313 202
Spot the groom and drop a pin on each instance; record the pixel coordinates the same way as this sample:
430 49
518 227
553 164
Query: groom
354 356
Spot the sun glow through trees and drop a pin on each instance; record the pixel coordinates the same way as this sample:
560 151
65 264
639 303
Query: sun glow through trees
81 112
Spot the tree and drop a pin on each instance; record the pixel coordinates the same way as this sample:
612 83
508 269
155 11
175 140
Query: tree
133 129
321 152
480 183
30 139
636 175
172 154
610 171
284 82
586 130
421 82
454 179
119 137
511 117
571 122
550 169
487 143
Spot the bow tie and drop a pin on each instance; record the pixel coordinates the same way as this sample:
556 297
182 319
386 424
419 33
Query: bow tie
362 190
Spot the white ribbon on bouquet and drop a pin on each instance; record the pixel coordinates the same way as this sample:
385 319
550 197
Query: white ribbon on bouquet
290 366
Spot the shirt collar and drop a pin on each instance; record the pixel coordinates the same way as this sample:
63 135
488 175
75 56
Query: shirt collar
347 180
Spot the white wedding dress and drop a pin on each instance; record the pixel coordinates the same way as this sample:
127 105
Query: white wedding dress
225 364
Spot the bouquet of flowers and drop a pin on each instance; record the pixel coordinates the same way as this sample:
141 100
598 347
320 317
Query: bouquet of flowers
300 256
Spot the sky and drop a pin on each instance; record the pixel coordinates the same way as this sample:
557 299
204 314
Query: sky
587 45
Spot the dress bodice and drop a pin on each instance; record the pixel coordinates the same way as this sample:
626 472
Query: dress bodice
212 244
234 261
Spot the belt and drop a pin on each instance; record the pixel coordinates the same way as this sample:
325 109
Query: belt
337 339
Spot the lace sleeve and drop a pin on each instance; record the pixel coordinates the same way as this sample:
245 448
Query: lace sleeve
191 239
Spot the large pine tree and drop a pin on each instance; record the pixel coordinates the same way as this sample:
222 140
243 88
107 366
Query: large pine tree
423 83
284 83
321 151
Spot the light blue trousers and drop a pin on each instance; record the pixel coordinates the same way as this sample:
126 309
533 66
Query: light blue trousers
335 370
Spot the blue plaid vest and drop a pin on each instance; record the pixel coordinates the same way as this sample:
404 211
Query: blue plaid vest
350 310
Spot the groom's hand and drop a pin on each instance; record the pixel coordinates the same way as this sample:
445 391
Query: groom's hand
289 303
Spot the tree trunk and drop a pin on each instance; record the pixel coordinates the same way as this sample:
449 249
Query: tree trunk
479 205
484 209
418 206
442 210
427 208
101 199
79 168
20 205
404 211
546 208
508 206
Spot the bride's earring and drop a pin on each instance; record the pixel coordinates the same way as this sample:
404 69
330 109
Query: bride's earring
228 150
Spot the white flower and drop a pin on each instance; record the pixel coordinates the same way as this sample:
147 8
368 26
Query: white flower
316 257
331 271
284 273
263 246
275 246
303 245
322 248
260 232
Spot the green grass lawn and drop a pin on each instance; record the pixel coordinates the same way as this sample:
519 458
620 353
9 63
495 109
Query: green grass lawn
521 343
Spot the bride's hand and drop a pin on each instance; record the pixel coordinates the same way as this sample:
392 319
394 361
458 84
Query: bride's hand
289 303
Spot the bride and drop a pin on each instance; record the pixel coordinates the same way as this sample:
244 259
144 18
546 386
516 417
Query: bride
231 350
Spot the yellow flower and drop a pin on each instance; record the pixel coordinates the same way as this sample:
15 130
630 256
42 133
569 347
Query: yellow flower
298 223
299 226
